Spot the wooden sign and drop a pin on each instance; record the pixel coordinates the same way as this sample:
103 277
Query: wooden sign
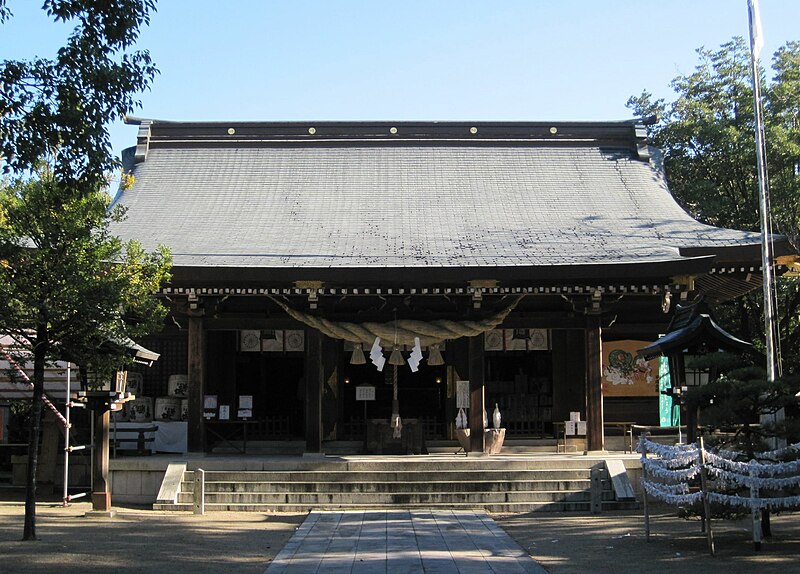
365 393
462 394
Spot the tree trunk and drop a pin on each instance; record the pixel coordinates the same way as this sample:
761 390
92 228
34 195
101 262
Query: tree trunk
766 528
39 355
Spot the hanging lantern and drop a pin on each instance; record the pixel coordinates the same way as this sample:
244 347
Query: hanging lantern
358 357
435 356
396 357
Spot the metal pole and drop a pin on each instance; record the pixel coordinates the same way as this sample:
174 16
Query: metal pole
706 501
91 454
764 203
772 338
66 439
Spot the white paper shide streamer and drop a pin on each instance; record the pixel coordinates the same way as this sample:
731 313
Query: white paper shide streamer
672 468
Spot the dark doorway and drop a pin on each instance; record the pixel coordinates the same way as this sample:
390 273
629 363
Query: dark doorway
421 395
274 380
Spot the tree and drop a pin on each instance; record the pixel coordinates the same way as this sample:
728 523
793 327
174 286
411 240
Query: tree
734 403
735 400
707 138
68 287
59 108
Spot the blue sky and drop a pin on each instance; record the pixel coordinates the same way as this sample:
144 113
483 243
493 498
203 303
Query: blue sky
414 59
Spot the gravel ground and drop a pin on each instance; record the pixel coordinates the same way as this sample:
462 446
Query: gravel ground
615 543
139 540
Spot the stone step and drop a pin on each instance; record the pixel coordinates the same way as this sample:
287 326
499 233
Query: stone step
496 485
504 507
469 485
394 463
356 447
457 475
392 499
468 464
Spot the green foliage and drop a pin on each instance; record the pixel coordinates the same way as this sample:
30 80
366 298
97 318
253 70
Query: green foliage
67 284
59 108
707 135
734 402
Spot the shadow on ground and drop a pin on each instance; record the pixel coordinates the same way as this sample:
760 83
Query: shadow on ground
615 543
138 541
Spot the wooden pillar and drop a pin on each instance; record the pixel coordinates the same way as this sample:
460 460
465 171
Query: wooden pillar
569 369
101 493
314 380
332 350
457 358
476 402
196 439
594 385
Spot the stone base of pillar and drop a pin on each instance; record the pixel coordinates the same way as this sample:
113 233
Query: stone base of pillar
101 501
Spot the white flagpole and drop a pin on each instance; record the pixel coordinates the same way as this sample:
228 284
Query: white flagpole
756 44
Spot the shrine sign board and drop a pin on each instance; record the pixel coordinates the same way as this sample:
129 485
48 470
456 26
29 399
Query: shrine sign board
365 393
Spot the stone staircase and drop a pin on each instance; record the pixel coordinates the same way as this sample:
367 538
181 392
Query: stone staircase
495 485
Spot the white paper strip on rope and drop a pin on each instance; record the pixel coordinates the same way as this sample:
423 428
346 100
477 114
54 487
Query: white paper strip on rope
668 497
768 455
790 467
666 451
729 478
681 488
755 503
416 356
376 354
654 467
676 462
652 446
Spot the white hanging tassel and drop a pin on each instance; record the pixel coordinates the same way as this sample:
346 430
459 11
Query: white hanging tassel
358 357
435 356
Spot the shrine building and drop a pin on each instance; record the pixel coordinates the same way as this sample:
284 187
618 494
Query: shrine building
518 254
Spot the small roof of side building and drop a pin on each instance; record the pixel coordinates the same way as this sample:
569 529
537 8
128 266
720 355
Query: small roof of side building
308 200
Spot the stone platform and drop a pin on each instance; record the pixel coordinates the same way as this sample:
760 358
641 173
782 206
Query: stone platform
412 542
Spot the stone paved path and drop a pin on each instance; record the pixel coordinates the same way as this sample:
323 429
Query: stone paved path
402 542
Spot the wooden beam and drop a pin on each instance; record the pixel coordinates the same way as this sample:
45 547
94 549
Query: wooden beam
476 395
197 383
247 321
594 385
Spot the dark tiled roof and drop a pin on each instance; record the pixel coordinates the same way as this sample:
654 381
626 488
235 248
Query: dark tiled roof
251 199
701 330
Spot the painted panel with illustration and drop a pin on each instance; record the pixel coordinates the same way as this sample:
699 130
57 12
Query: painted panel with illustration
625 374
